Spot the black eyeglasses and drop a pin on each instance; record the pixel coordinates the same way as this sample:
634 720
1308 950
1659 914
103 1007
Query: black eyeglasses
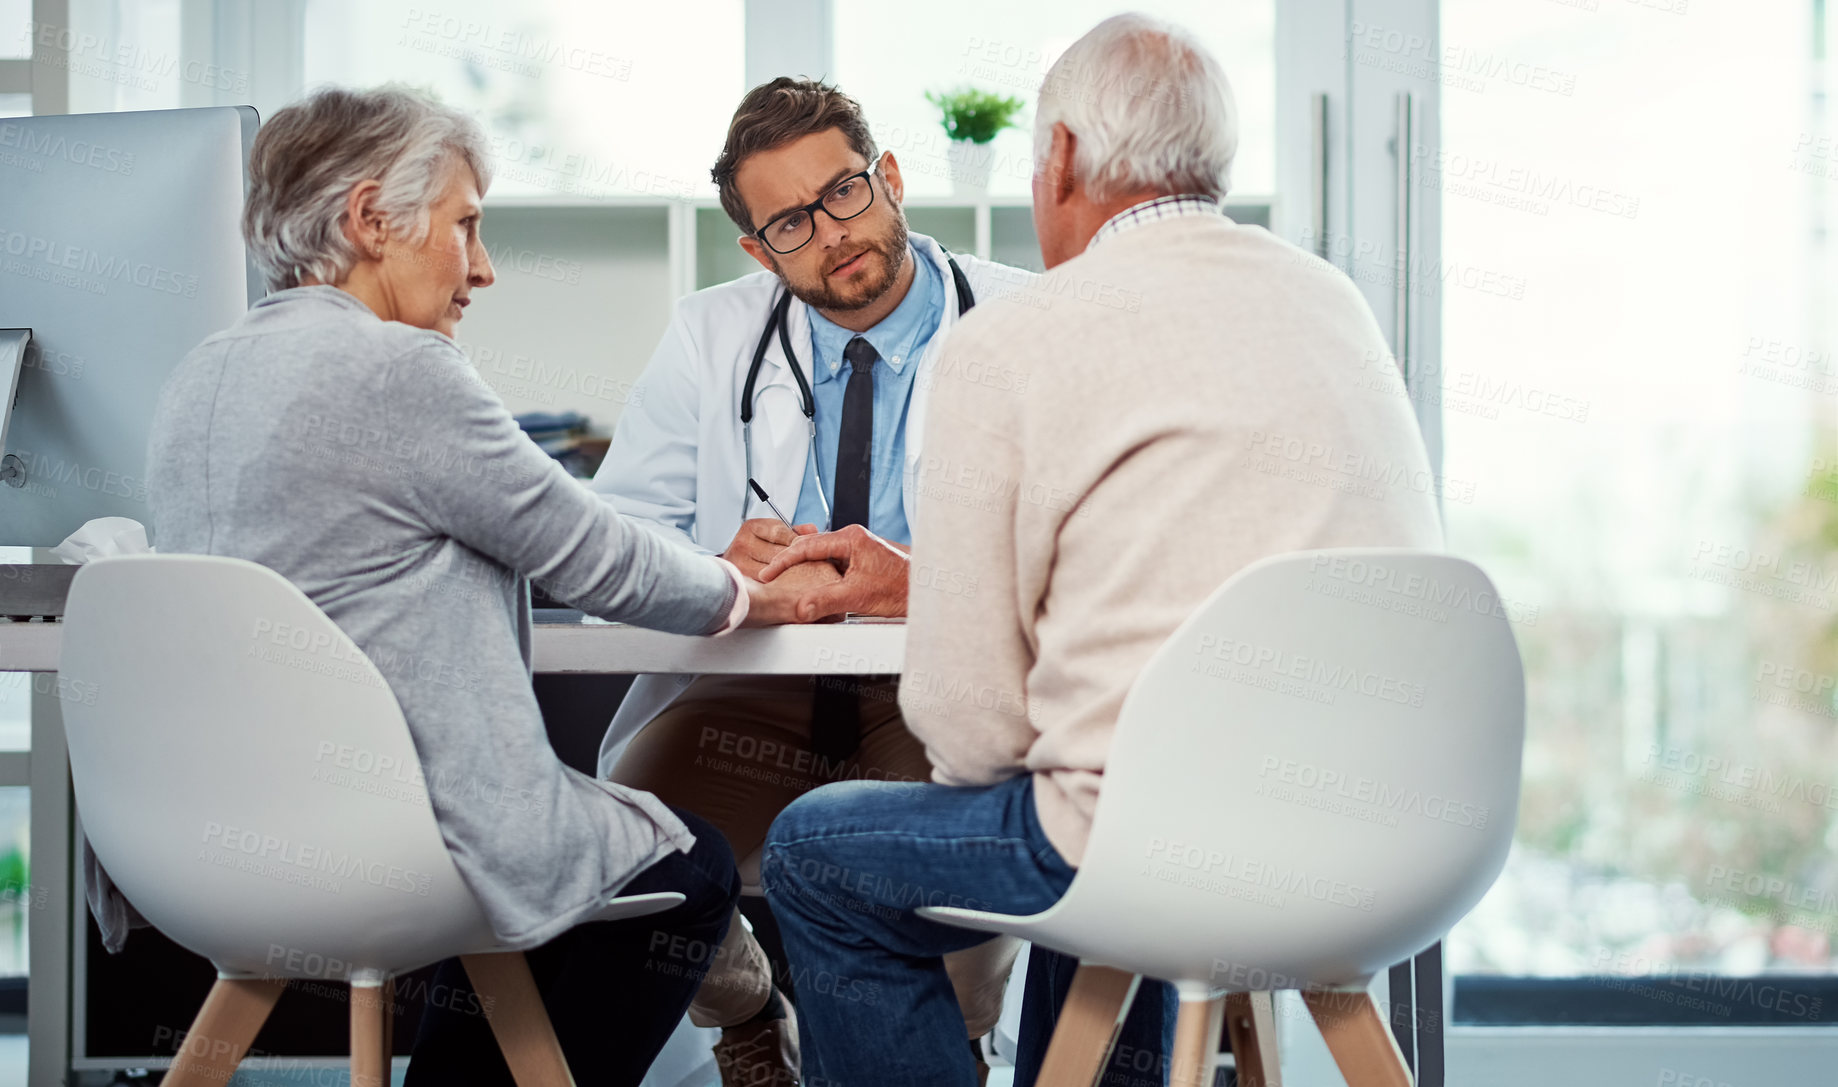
846 199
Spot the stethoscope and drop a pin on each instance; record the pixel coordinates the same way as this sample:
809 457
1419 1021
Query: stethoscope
807 400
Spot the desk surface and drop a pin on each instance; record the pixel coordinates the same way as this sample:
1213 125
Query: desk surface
824 649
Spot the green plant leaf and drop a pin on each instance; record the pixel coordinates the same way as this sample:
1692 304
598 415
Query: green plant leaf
15 875
975 115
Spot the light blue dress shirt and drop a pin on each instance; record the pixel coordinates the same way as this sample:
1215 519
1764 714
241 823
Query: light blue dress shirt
900 339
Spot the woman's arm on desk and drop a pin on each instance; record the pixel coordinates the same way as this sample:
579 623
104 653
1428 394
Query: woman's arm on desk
473 475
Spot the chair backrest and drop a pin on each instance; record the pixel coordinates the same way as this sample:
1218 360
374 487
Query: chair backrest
1316 776
246 777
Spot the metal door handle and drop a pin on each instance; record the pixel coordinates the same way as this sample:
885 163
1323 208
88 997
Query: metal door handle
1406 104
1317 168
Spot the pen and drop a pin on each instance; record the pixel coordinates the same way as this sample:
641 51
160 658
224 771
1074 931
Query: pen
761 491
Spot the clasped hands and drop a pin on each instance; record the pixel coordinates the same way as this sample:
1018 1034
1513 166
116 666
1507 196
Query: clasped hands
803 576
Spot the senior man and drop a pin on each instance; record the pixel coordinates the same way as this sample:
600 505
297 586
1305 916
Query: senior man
1091 501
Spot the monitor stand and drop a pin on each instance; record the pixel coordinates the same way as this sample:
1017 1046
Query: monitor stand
27 590
13 344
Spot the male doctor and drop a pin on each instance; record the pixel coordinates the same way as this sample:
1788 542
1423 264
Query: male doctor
799 390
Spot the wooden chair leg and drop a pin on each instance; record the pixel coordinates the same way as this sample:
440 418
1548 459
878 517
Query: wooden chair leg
369 1063
1356 1035
518 1019
1250 1021
1088 1024
231 1017
1196 1042
389 1023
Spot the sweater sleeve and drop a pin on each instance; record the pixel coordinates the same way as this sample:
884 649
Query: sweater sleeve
476 477
964 690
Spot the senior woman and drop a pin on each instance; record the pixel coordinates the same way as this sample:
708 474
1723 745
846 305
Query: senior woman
337 435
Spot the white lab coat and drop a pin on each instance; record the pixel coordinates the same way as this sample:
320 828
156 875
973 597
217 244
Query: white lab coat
677 463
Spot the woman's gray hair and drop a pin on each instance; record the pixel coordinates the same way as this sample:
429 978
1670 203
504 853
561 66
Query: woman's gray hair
1151 108
309 156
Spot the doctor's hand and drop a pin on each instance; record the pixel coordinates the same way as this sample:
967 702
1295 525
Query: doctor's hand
874 573
758 541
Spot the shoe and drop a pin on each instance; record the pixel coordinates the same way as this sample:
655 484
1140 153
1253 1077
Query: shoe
760 1053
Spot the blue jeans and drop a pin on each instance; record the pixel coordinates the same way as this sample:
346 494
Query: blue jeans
844 868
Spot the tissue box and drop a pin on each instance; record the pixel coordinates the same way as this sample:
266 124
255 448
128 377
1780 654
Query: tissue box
33 590
28 590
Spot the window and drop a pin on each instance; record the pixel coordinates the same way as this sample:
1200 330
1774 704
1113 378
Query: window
16 895
122 55
581 101
15 29
1649 421
888 64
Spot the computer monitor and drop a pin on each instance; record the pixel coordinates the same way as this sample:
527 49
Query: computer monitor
120 249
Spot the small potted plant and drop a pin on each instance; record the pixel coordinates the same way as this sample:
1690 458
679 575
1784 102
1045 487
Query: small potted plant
972 118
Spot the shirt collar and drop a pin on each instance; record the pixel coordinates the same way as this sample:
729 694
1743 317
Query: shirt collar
1176 206
898 334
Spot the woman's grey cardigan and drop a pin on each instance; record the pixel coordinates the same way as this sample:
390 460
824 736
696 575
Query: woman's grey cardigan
366 462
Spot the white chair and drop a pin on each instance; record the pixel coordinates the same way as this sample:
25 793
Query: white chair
1315 777
248 782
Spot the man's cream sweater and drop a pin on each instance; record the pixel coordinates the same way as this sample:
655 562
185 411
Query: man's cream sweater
1102 450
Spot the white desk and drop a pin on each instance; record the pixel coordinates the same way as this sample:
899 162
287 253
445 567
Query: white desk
826 649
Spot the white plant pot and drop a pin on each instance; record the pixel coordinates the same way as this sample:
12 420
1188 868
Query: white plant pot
971 165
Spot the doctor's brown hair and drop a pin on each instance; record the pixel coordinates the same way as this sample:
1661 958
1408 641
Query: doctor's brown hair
776 113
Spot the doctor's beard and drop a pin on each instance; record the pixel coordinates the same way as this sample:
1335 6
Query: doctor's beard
886 256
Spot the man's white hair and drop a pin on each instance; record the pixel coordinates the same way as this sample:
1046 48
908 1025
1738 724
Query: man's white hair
1151 108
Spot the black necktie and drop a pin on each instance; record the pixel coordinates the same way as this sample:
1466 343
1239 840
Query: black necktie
836 720
855 440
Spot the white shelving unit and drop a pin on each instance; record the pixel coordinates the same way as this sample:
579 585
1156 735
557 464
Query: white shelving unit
586 286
